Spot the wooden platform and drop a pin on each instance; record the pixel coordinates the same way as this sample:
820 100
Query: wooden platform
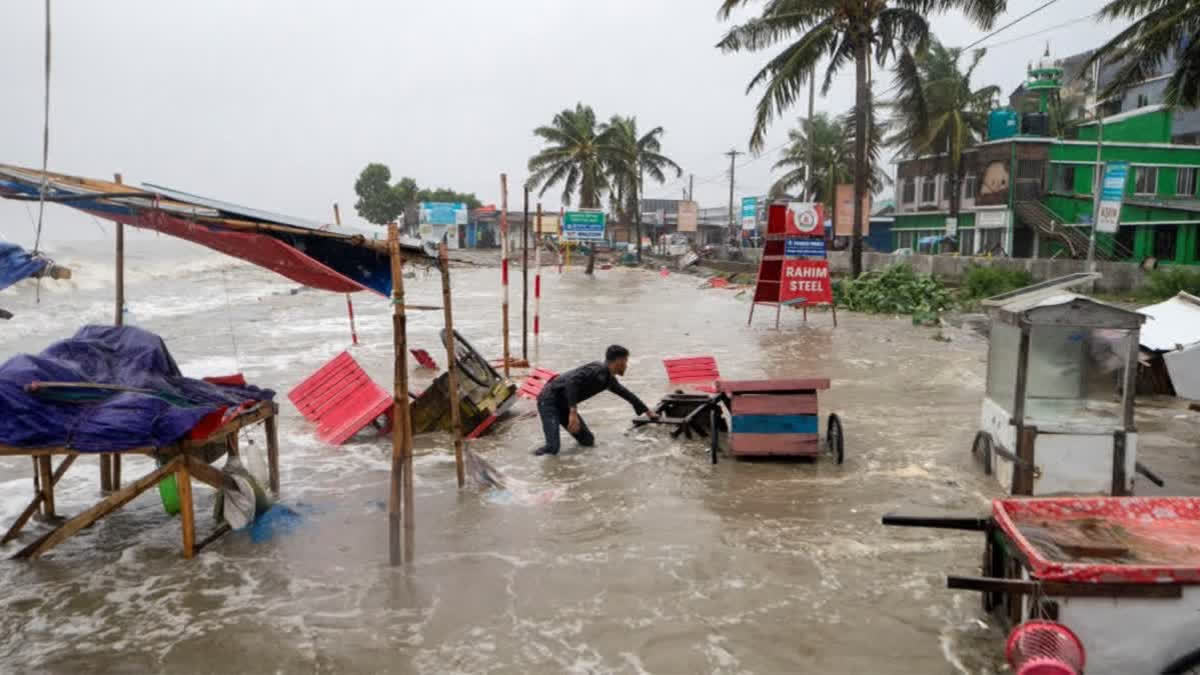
186 459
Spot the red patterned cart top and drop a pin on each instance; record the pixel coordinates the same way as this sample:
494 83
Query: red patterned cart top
1141 540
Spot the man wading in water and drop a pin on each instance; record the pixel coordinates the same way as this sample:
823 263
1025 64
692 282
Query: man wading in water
558 400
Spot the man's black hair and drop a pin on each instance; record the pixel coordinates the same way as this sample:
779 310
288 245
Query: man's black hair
615 352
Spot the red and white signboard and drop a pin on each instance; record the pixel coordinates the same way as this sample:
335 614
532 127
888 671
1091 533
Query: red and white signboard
805 219
807 279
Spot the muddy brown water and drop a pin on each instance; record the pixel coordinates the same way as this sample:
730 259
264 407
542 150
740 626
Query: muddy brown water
647 559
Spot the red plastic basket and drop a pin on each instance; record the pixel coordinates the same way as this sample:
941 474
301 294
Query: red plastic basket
1044 648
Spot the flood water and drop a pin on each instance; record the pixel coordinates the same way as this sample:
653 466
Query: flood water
648 559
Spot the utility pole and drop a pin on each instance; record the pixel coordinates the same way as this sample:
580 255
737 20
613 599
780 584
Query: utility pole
691 193
1098 178
732 156
810 191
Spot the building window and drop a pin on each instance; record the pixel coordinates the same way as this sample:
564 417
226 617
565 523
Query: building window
1143 100
1185 182
1030 169
969 187
1123 242
966 242
904 239
929 190
909 194
1145 180
1164 241
1064 178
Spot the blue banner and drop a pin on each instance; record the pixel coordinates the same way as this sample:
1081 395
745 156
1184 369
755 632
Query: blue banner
804 247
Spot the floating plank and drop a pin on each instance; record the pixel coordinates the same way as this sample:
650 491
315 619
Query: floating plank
798 384
775 424
777 404
799 445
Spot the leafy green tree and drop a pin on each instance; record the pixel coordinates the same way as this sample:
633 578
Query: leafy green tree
1160 29
378 202
635 155
842 31
936 112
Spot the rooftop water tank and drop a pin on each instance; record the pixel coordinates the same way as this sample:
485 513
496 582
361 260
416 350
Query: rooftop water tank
1002 124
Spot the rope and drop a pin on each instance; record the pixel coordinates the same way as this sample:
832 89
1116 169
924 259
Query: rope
45 143
229 316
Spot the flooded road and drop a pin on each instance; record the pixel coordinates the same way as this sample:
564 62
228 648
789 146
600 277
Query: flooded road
649 559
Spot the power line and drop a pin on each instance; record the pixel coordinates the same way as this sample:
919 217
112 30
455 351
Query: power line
1012 23
1040 32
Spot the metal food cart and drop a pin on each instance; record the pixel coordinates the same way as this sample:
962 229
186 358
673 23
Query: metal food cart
1057 416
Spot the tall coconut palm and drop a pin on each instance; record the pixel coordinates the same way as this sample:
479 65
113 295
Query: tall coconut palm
827 145
842 31
1161 29
635 156
576 155
936 112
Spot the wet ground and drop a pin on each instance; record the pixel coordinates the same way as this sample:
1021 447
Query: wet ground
648 558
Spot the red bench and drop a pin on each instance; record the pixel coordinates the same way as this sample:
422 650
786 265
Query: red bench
696 372
341 399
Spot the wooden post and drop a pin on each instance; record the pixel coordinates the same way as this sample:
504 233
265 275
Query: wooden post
537 289
272 426
15 529
46 481
400 411
452 365
1022 482
337 220
525 282
187 510
110 471
504 264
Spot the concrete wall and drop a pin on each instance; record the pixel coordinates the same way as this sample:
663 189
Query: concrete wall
1117 276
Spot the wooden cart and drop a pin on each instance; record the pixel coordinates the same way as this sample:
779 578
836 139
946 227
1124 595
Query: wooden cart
1120 572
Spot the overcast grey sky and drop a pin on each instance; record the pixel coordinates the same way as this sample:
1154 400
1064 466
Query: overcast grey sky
279 104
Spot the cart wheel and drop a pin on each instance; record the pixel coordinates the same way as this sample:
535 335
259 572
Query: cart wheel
1185 664
981 449
715 421
834 441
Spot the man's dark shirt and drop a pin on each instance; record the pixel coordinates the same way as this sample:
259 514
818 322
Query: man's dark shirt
578 385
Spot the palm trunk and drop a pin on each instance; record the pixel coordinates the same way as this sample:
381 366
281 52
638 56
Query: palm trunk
589 200
862 99
637 213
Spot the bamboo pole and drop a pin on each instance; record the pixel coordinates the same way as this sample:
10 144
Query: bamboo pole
337 220
537 289
525 281
504 264
452 365
400 411
110 470
187 508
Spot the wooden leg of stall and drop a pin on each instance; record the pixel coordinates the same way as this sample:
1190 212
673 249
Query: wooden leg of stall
46 480
16 527
273 452
115 471
187 510
106 506
105 473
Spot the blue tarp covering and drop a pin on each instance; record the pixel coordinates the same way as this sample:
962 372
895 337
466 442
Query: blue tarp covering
98 420
17 264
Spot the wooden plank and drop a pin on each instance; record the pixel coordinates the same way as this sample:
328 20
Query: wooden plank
781 385
969 523
272 424
46 480
115 470
1064 589
187 509
800 445
208 474
775 424
111 503
775 404
221 531
15 529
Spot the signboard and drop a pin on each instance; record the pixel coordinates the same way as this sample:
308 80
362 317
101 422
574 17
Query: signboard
440 220
1112 193
807 280
991 219
689 216
583 225
550 223
749 213
804 247
804 219
843 223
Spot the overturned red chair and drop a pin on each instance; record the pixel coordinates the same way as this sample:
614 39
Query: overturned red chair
693 372
341 399
535 383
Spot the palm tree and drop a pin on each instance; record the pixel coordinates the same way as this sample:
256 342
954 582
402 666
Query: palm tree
576 155
827 145
1161 29
843 31
635 156
936 112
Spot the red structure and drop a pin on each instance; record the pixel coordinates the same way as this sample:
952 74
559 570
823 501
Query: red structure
696 372
793 270
775 417
341 399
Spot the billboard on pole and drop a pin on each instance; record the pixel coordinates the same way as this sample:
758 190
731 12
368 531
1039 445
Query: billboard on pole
749 213
689 216
1112 193
843 224
585 225
440 220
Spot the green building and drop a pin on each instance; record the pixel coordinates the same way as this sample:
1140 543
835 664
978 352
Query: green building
1032 195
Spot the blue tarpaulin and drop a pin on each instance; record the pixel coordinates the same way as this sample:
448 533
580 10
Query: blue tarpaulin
16 264
165 407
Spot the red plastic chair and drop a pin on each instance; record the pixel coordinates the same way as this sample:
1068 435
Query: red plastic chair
535 383
340 398
695 372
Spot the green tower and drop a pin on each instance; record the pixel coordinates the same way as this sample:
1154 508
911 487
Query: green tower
1045 78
